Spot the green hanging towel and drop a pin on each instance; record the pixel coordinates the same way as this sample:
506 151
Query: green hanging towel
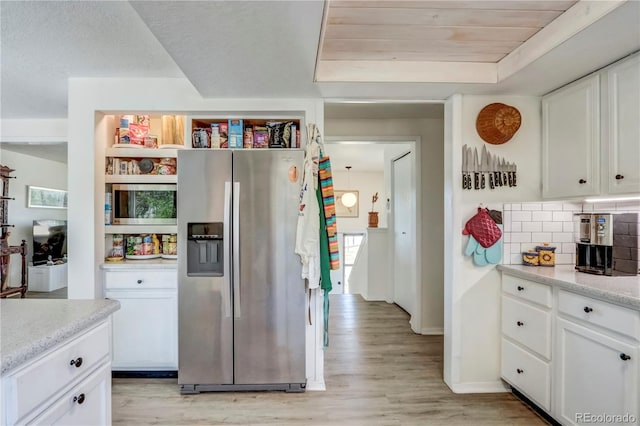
325 267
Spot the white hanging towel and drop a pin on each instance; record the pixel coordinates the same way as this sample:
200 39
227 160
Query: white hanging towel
308 231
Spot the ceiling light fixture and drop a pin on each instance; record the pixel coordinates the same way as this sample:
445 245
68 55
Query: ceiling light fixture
349 199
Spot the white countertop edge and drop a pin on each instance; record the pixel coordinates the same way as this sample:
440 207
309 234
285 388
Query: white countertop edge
31 348
141 264
594 289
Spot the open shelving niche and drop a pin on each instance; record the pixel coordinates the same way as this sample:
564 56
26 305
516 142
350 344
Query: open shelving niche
184 139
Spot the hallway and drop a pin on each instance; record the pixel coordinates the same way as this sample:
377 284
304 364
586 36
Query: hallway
377 372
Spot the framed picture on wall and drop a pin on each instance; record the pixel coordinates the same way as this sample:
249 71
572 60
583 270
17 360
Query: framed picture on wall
341 209
46 198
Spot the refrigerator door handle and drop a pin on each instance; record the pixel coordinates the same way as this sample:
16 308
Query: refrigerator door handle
226 236
236 249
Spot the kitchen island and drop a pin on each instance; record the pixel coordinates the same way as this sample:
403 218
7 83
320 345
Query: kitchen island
571 342
55 361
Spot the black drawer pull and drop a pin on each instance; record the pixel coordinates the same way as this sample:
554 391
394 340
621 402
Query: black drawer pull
77 362
520 323
79 399
520 371
588 309
582 181
625 357
520 288
618 177
139 281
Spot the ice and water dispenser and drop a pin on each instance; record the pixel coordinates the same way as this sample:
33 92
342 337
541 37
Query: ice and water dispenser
205 250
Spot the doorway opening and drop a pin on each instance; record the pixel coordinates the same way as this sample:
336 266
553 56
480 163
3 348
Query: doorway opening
351 247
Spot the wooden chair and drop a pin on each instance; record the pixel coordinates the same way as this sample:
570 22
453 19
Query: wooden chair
22 289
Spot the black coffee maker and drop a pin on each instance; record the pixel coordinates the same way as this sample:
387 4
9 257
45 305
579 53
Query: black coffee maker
594 245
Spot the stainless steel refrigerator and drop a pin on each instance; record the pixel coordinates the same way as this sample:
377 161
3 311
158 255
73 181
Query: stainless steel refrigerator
241 301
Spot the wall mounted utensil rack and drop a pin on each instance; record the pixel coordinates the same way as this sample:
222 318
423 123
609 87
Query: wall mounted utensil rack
487 171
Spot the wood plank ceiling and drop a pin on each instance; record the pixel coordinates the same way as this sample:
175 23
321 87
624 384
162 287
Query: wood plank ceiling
432 31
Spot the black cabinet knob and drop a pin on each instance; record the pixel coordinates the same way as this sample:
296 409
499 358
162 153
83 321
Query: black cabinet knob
588 309
139 281
625 357
79 399
520 288
582 181
618 177
520 371
520 323
77 362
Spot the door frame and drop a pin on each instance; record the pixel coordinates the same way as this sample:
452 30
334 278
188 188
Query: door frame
415 145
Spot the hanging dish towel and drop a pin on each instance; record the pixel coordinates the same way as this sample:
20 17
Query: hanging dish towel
328 202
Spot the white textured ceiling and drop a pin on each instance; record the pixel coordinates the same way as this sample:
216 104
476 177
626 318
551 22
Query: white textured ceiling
240 48
382 110
361 156
235 49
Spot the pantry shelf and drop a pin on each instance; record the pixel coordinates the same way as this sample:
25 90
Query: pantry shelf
142 152
141 179
141 229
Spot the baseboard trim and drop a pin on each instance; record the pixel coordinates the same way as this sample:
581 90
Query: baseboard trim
144 374
432 331
480 387
313 385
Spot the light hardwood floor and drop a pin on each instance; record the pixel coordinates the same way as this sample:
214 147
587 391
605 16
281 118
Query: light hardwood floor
377 372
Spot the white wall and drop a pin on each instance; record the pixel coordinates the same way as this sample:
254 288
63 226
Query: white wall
431 133
472 329
367 183
36 172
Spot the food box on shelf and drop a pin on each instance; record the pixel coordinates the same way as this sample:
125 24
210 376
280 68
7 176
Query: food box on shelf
235 133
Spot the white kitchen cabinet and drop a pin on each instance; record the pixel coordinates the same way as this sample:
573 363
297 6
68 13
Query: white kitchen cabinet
145 329
526 338
623 130
596 375
590 134
571 140
69 385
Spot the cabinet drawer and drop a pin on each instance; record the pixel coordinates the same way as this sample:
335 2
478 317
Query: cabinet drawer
140 279
613 317
88 403
38 382
527 373
527 325
527 290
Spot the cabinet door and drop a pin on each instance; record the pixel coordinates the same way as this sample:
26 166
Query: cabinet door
571 140
145 330
88 403
594 376
623 175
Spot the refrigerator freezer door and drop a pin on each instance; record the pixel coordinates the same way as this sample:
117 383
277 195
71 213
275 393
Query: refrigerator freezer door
205 322
269 327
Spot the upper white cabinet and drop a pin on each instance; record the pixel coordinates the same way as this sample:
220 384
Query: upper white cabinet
571 140
623 87
591 134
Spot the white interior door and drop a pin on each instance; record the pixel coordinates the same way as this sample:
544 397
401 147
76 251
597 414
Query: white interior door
404 232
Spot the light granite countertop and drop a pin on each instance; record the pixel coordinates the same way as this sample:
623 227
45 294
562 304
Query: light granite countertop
140 264
29 327
623 290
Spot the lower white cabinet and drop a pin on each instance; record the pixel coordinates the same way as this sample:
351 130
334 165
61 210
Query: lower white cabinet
597 376
145 329
69 385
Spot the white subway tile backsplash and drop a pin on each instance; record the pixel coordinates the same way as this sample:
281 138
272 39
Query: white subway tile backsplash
628 206
568 248
521 237
516 206
506 220
516 248
565 259
552 206
521 216
532 226
531 206
561 216
516 226
552 226
542 216
604 207
506 237
572 207
562 237
506 207
516 259
542 237
567 226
